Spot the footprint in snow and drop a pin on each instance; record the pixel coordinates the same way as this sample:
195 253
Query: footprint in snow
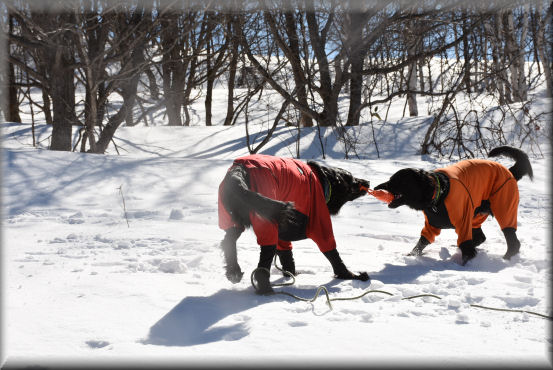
97 343
296 324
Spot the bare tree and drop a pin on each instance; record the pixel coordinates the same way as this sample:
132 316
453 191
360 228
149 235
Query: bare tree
283 26
172 41
49 41
11 111
355 22
233 24
539 31
320 57
130 37
412 44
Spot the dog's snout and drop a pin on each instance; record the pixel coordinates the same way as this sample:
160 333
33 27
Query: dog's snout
363 184
383 186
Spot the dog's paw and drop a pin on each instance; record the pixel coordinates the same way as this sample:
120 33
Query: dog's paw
509 254
467 257
363 276
348 275
417 251
421 244
261 282
234 274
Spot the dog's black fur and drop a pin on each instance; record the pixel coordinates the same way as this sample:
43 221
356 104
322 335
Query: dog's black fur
414 188
240 201
345 187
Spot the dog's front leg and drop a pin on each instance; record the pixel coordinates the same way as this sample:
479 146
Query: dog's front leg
233 271
340 269
421 244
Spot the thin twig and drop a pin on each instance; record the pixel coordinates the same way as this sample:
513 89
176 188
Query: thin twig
124 207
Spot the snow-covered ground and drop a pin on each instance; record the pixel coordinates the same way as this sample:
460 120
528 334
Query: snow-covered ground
115 259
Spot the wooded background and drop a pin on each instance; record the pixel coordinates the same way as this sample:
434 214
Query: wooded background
317 55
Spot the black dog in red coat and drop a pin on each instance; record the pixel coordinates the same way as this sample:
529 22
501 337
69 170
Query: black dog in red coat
284 200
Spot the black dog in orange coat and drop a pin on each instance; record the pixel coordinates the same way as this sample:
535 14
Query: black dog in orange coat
461 196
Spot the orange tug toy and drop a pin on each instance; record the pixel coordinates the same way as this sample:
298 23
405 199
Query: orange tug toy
381 195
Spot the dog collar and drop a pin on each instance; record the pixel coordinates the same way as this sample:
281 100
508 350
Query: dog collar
319 174
327 189
437 191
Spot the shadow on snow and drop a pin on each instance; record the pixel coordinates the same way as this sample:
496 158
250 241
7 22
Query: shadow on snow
420 266
191 322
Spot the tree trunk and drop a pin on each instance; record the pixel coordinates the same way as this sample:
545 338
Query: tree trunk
412 86
357 56
152 84
522 85
232 23
539 40
172 68
411 41
63 96
295 61
291 50
190 84
129 89
467 57
11 112
455 36
209 82
318 43
91 114
498 62
132 69
511 51
46 107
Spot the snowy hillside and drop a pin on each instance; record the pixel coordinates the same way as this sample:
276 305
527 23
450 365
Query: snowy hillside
115 260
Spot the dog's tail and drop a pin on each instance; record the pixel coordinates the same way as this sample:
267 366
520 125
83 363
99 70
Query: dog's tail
239 200
522 164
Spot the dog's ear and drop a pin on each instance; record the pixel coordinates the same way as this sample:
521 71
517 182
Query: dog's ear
313 164
322 171
317 167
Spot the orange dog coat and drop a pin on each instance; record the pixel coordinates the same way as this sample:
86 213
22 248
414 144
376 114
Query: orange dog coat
471 182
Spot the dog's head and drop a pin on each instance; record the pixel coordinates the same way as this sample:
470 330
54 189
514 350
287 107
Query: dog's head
411 187
341 185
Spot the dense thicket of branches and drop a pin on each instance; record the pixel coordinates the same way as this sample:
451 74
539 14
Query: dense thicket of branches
319 56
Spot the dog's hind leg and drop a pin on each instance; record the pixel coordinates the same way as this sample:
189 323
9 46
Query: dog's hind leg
286 258
504 204
262 273
513 244
233 271
266 256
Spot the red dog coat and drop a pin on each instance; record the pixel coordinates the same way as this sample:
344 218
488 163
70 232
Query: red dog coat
287 180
